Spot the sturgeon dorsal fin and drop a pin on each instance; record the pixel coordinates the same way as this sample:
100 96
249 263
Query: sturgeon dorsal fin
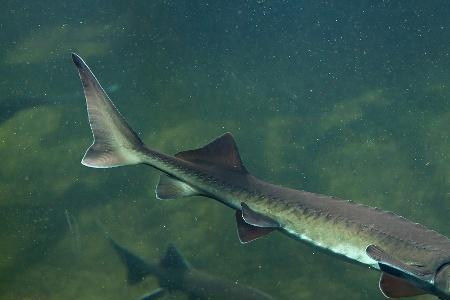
222 152
173 259
394 287
248 232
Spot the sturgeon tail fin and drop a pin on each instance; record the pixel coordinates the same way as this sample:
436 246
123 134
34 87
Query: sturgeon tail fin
137 269
115 143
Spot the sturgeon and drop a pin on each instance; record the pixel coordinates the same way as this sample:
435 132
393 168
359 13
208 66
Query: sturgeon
174 273
413 260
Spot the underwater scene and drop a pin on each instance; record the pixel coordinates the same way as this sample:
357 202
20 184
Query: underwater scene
343 98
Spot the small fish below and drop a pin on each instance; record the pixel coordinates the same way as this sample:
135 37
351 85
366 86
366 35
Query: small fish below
174 273
74 232
413 260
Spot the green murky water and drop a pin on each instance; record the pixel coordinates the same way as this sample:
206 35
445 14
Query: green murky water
347 99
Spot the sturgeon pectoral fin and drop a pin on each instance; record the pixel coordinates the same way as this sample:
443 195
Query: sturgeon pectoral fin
248 232
390 264
256 219
171 188
401 271
394 287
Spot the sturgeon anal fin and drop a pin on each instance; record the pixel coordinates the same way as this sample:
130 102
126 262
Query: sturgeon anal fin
256 219
247 232
156 294
392 265
394 287
137 269
221 152
170 188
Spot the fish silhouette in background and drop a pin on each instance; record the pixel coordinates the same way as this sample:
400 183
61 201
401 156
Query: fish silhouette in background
413 260
174 273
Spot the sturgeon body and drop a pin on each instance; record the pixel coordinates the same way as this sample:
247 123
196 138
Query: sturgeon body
174 273
413 260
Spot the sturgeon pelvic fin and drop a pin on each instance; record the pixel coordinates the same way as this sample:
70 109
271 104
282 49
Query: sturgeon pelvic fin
115 143
220 152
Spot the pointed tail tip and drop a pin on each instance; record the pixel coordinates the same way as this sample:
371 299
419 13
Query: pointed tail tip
77 60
